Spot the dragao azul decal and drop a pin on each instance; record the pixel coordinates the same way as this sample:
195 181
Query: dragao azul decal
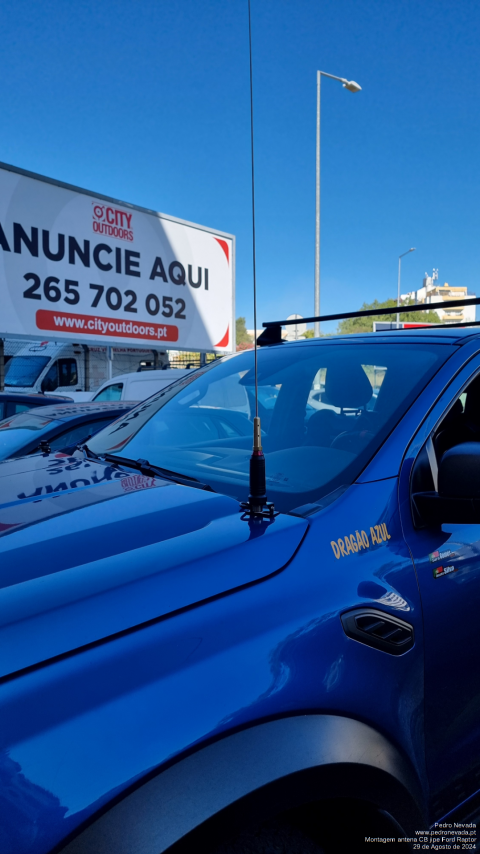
353 543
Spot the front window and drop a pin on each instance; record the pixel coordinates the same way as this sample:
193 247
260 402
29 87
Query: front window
325 410
24 371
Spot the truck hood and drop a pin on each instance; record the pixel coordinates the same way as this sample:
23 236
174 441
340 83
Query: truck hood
88 550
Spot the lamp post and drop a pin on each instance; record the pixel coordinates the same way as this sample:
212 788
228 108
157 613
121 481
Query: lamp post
352 87
399 272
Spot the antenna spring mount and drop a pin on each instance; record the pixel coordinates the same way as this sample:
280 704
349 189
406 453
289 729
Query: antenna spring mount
257 504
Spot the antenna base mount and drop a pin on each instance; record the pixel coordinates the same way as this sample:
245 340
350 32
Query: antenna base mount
264 511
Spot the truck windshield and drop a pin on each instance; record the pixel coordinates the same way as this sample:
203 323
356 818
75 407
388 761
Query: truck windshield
24 371
325 410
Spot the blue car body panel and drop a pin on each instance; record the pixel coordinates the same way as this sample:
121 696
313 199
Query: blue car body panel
62 600
450 610
146 623
267 648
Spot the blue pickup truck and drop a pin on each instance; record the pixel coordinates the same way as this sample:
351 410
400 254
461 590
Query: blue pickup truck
179 675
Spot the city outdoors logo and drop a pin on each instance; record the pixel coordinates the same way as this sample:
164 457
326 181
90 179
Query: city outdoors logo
112 221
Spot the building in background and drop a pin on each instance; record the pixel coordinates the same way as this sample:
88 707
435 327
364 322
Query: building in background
431 291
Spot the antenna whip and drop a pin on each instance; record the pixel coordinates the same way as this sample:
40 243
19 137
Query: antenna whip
257 504
253 212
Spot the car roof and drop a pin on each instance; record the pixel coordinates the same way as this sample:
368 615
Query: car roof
33 398
166 373
70 411
442 335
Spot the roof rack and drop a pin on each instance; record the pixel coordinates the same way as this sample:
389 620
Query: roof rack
272 333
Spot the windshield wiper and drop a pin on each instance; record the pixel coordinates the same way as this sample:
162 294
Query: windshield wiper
145 467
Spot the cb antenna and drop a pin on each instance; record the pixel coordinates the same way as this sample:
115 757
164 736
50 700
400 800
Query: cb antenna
257 504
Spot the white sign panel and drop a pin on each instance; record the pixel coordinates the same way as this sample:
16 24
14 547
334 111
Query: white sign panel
84 267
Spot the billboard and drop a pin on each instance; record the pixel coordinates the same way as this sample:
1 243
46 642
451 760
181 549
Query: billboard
84 267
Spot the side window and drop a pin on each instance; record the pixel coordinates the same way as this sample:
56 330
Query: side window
62 373
67 372
50 380
110 392
2 411
460 424
462 421
220 395
20 407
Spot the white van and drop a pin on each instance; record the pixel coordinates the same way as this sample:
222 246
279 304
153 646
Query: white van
138 386
76 370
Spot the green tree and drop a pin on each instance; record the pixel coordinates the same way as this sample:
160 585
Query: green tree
365 324
242 335
310 333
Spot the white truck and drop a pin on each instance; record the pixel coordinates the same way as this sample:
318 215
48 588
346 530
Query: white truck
76 370
138 386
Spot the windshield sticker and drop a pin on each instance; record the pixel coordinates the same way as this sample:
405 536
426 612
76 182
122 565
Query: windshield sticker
438 571
353 543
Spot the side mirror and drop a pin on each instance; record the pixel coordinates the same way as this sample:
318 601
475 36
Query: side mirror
458 497
48 383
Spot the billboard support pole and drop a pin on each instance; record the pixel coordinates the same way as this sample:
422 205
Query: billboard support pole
110 362
86 366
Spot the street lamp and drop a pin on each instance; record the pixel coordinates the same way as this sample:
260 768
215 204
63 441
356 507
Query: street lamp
399 271
352 87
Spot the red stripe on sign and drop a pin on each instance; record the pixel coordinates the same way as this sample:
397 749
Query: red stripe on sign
224 341
415 325
224 245
109 327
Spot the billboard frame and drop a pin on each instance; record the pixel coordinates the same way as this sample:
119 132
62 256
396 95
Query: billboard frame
121 342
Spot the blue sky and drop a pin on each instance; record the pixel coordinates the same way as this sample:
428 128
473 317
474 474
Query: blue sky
149 102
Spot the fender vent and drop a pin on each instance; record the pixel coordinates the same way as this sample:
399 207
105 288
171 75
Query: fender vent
380 630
